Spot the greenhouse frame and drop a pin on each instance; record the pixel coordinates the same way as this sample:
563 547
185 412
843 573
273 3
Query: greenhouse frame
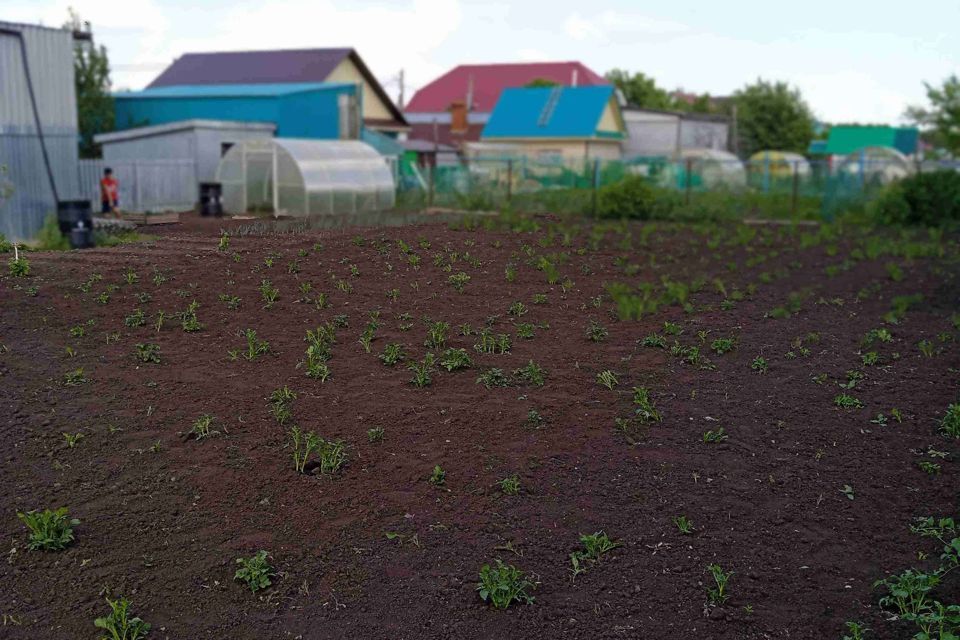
295 177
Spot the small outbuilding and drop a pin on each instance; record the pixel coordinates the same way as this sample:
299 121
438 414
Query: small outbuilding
297 177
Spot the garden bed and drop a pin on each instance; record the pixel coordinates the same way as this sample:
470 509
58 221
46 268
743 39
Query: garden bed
794 382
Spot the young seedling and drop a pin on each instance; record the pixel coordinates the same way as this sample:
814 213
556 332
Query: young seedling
718 593
517 309
393 353
715 437
422 371
510 485
722 345
493 377
594 546
255 346
759 364
504 584
847 490
846 401
608 379
268 293
950 422
188 318
645 410
74 378
19 267
437 335
438 477
135 319
458 281
857 631
654 340
201 427
596 332
49 530
375 434
525 330
119 625
255 571
683 524
280 401
72 439
531 373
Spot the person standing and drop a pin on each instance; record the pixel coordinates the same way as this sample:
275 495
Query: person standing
109 193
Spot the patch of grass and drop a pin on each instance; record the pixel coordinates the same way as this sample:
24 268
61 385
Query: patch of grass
502 584
255 571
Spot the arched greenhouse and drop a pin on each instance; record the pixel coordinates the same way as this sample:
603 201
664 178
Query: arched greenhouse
287 176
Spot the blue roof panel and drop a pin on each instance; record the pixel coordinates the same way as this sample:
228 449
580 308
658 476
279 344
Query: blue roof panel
229 90
548 112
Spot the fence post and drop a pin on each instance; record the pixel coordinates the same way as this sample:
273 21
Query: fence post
430 186
596 180
689 178
509 179
796 186
137 194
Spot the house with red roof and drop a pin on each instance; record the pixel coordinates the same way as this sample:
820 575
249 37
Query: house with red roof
454 108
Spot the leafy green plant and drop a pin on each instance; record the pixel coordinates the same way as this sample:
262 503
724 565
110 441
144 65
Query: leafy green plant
493 377
454 359
857 630
672 328
907 592
759 364
926 348
847 490
683 524
531 373
437 334
458 281
75 377
392 354
18 267
422 371
950 422
510 485
715 437
846 401
147 352
517 309
594 546
119 625
72 439
438 477
489 343
280 401
188 318
654 340
931 468
502 584
255 346
269 293
255 571
596 332
375 434
49 530
718 593
135 319
722 345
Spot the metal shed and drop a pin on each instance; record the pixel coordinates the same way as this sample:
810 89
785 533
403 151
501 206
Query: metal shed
26 196
668 133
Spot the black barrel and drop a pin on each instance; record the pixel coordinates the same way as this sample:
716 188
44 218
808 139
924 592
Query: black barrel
71 213
211 203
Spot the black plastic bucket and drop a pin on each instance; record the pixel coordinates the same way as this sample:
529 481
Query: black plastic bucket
210 199
70 213
81 237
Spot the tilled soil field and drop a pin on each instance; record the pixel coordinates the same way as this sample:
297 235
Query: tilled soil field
797 383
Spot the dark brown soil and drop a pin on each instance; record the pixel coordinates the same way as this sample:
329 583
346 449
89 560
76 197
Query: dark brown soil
163 517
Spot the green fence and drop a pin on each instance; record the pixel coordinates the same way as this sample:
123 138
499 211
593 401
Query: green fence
702 187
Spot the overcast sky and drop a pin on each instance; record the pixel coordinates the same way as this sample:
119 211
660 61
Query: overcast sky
853 60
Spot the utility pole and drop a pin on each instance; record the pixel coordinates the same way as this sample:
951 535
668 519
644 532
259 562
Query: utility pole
400 101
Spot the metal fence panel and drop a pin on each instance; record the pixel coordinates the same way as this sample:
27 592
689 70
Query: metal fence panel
144 185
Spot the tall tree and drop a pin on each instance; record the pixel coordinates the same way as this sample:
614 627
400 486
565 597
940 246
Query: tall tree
941 120
640 90
772 115
91 69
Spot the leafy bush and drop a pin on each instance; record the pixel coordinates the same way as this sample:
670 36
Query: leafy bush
49 530
928 199
19 267
49 238
119 625
632 197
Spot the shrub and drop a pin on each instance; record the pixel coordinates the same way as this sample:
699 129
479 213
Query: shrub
49 238
119 625
49 530
19 268
631 197
922 199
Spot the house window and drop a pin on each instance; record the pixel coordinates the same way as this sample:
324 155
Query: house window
224 147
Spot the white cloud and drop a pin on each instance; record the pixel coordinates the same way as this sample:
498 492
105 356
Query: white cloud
610 25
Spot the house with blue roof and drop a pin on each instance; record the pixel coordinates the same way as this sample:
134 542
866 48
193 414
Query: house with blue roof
555 124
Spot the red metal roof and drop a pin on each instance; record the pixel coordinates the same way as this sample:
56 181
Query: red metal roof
490 79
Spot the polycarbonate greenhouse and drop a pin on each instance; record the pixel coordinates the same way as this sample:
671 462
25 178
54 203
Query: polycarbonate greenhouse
287 176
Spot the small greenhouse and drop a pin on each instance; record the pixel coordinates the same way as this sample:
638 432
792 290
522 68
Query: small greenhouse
880 165
288 176
778 164
709 168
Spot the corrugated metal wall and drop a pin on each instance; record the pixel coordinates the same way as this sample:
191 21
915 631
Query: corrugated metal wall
50 58
145 185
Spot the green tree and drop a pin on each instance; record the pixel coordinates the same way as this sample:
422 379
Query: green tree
541 82
641 90
941 120
772 115
91 70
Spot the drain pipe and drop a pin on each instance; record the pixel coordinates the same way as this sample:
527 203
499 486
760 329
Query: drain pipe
33 102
